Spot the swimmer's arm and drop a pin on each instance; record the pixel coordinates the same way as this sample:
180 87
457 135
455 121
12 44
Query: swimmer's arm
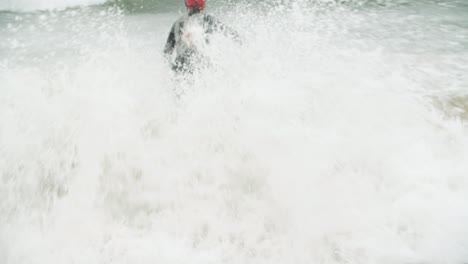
170 43
218 26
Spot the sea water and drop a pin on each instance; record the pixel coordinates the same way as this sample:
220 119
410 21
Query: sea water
335 133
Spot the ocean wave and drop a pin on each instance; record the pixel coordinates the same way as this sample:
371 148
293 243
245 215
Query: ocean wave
315 141
34 5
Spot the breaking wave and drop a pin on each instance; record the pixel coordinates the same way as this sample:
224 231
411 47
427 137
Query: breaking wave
34 5
315 141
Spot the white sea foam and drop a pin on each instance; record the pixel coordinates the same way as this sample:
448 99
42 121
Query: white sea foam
309 143
33 5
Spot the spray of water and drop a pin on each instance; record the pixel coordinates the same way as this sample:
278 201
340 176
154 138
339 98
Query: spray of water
309 143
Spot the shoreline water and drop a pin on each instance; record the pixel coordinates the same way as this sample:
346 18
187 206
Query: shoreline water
334 134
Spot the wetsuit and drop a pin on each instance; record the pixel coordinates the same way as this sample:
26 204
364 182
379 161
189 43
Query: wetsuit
188 36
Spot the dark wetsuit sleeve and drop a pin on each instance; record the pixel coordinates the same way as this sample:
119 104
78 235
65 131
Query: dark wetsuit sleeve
170 43
214 25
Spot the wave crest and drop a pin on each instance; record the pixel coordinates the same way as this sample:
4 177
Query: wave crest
34 5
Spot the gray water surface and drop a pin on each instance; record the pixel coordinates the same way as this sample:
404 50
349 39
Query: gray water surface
335 133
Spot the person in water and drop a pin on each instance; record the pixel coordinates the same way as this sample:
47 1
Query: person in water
189 34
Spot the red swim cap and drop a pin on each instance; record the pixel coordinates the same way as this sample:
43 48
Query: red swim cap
193 5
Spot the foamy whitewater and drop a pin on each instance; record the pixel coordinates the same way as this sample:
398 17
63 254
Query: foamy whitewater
336 133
